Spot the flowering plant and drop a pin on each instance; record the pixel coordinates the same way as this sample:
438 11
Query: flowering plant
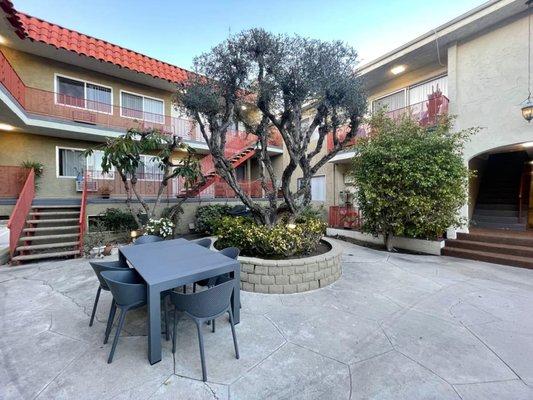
163 227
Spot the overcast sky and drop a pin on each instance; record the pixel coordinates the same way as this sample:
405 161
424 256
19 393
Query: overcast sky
176 31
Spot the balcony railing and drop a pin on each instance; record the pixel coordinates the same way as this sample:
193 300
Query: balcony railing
12 179
73 109
426 112
111 186
345 217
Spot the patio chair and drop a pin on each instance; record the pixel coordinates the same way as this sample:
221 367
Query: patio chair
98 267
202 307
129 292
205 242
148 239
231 252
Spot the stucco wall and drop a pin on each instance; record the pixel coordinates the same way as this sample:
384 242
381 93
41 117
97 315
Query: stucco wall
38 72
489 83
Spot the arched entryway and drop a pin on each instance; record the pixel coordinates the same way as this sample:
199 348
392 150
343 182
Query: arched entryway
500 194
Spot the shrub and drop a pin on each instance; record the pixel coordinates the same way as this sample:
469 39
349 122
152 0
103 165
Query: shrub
411 179
114 219
208 217
160 227
281 240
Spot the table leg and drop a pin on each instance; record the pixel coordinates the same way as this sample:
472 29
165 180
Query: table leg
236 296
154 327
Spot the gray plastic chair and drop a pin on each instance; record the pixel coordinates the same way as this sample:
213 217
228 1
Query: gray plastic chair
205 242
231 252
98 267
201 307
129 292
148 239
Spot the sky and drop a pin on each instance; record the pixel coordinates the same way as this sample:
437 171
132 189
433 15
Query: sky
176 31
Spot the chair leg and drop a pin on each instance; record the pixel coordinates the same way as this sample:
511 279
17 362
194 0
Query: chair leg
117 334
184 288
233 333
95 305
202 355
166 310
213 327
110 320
175 331
194 287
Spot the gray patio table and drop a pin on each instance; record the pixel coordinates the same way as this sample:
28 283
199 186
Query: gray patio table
170 264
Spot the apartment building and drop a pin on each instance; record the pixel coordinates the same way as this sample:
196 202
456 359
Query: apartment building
62 92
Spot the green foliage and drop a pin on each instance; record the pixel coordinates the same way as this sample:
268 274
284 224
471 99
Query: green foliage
280 240
114 219
37 167
94 239
163 227
411 179
309 213
209 217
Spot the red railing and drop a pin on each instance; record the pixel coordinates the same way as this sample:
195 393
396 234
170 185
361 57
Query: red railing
20 212
426 112
83 211
345 217
12 179
75 109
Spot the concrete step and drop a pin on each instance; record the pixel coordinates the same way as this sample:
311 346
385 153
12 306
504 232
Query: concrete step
496 258
502 226
493 206
47 246
500 248
54 206
52 213
498 219
53 221
41 256
49 237
51 228
497 237
494 212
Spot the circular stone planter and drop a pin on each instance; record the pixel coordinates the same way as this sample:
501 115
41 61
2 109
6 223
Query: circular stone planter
291 276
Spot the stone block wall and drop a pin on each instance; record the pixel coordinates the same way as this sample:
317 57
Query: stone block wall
291 276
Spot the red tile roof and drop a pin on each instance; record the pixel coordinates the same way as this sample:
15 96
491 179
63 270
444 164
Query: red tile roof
38 30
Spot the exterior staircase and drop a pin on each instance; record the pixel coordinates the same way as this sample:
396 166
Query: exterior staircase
494 246
497 205
211 175
51 231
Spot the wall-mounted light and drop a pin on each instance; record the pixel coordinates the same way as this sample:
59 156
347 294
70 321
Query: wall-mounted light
3 40
6 127
398 69
527 144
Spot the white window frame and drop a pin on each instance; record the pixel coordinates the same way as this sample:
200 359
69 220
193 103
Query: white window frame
147 156
404 90
109 175
85 82
143 97
325 186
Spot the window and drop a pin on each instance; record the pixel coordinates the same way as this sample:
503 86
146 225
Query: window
318 187
149 168
70 162
94 166
420 93
141 107
77 93
390 102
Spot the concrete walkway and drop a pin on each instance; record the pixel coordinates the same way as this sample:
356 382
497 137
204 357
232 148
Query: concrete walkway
393 327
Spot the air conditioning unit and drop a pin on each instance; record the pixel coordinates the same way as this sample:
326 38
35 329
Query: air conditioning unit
84 116
92 186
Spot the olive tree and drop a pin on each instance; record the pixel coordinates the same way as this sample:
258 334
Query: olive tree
276 82
411 179
123 155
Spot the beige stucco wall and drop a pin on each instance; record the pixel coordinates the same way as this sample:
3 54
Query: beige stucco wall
39 72
487 82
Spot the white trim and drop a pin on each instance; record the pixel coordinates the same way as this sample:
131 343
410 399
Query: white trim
143 112
85 82
86 164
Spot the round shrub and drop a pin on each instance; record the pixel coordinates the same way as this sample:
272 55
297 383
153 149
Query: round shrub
280 240
208 217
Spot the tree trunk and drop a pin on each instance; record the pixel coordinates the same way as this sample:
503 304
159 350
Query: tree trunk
388 241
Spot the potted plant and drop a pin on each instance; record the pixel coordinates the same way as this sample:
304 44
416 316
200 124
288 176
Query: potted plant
105 191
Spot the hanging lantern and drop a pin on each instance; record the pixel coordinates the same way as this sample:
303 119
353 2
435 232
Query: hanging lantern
527 109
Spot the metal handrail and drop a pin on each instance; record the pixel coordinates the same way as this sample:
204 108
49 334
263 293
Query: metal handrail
83 210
